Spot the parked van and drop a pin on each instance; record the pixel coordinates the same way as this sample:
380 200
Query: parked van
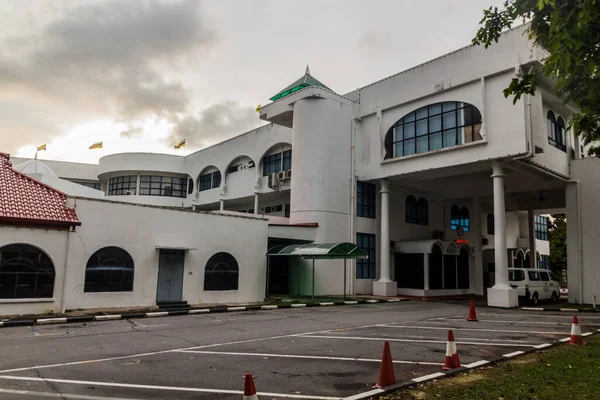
534 285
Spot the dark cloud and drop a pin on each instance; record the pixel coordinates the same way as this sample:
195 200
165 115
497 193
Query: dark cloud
115 59
217 122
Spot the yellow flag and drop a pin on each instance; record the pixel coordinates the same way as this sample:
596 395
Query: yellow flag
42 147
258 108
96 146
180 144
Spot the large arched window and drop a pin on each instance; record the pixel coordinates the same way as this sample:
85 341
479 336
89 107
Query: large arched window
209 178
25 272
556 131
221 273
459 216
109 269
433 127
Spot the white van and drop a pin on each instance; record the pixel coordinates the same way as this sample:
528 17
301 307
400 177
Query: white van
534 284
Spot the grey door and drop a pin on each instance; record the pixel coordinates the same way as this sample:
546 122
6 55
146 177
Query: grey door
170 275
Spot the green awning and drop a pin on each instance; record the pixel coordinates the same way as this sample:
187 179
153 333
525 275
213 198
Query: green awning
304 81
319 250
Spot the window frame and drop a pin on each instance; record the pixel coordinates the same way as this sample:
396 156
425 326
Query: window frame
277 162
366 200
157 185
367 268
459 216
125 270
556 131
34 267
120 185
541 227
213 178
233 269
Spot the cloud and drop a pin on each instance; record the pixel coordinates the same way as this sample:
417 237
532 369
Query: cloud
112 59
216 122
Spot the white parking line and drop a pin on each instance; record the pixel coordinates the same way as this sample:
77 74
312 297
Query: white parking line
513 354
476 364
426 377
168 388
307 336
437 337
61 395
543 315
229 353
542 346
471 329
494 321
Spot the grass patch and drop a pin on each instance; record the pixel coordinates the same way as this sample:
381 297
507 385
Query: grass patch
565 372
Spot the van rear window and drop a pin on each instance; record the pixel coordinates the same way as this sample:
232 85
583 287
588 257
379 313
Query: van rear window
516 275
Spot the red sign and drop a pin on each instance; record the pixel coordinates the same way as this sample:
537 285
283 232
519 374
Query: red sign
461 241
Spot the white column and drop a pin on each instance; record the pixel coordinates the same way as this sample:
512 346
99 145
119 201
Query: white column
501 295
426 271
532 249
477 277
384 286
221 204
256 203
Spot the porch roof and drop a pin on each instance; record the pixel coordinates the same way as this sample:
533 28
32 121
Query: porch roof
319 250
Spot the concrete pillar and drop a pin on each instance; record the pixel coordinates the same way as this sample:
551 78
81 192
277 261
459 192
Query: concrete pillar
384 286
426 271
255 203
478 256
221 204
501 295
532 249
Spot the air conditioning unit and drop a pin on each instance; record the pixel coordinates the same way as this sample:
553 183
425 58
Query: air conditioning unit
288 174
281 175
273 180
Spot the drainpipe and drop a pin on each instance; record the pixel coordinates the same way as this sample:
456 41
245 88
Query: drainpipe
352 198
64 282
528 130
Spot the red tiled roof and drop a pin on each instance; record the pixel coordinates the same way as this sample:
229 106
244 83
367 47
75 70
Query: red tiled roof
25 200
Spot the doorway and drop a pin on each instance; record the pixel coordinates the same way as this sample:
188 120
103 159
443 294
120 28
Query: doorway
170 275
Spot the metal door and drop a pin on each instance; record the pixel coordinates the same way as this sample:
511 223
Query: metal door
170 275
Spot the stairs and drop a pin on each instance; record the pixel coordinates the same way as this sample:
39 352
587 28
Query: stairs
174 307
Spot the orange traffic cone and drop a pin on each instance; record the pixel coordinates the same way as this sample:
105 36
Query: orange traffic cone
576 337
249 389
452 360
472 314
386 371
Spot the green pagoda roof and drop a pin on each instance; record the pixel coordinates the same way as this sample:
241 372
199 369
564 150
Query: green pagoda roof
305 81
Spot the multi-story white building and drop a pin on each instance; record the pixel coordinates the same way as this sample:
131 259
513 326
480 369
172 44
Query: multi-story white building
437 176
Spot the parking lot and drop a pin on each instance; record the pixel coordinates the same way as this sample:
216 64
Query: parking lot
302 353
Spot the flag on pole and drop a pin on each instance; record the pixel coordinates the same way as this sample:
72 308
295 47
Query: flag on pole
97 145
42 147
180 144
258 108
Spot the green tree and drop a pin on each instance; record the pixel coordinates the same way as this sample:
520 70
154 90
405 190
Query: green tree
557 235
569 30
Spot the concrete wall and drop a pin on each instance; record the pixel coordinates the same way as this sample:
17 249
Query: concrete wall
583 229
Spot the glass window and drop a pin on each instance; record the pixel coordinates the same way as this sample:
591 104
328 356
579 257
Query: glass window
122 185
190 186
277 162
556 131
287 211
545 262
464 218
366 268
287 160
516 275
209 181
411 210
490 224
365 199
25 272
459 216
422 212
221 273
534 275
544 276
434 127
454 217
167 186
93 185
109 269
541 227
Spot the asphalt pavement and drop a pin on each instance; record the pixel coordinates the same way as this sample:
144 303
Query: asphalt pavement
302 353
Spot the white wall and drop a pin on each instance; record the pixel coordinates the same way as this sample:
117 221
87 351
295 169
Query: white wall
139 229
53 243
582 263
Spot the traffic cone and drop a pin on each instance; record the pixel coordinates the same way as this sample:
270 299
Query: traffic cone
576 337
386 371
452 360
472 314
249 389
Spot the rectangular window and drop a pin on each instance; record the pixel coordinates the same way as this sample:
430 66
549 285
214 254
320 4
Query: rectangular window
272 163
209 181
122 185
365 200
541 227
162 186
544 262
287 210
278 208
534 275
366 268
287 160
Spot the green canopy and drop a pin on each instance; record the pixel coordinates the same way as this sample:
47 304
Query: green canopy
304 81
319 251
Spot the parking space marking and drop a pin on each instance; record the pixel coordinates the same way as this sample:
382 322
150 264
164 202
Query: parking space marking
411 340
229 353
436 337
513 354
541 346
476 364
427 377
470 329
494 321
167 388
61 395
547 315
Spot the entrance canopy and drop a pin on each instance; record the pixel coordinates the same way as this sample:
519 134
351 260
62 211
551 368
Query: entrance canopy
331 251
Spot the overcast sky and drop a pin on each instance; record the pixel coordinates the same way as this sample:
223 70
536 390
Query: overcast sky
140 75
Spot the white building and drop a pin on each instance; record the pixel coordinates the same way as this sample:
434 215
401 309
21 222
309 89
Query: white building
432 172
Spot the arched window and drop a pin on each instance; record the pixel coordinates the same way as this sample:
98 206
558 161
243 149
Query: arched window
433 127
221 273
490 224
209 178
556 131
411 210
459 216
109 269
25 272
422 212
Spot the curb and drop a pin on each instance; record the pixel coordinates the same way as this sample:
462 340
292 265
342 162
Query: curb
192 311
375 393
559 309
